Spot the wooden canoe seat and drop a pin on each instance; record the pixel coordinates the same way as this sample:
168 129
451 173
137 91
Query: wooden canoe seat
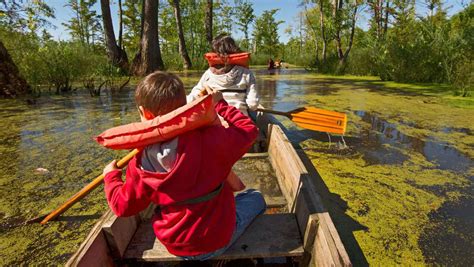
270 235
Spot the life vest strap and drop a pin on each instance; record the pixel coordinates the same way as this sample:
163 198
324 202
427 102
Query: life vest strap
195 200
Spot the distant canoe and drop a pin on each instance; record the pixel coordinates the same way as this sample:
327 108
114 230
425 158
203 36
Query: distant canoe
295 227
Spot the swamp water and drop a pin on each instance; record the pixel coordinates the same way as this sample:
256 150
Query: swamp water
400 193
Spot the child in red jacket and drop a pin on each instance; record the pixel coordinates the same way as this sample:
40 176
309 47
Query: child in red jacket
197 216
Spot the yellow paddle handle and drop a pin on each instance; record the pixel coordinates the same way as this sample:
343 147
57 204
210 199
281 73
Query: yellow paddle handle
87 189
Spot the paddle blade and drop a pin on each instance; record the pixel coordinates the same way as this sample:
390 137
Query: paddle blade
320 120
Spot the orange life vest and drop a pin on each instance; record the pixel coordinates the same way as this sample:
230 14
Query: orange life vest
241 59
191 116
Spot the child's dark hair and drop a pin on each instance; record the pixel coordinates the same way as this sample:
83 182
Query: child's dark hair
160 92
224 45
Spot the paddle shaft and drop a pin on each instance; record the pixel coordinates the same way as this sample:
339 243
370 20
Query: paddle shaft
91 186
86 190
286 114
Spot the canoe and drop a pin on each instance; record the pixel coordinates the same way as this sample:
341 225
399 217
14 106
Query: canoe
296 227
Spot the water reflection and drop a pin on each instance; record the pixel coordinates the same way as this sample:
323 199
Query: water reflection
258 174
55 134
267 91
441 154
451 224
383 143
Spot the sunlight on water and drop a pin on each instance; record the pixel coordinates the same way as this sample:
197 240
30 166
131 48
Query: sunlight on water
405 181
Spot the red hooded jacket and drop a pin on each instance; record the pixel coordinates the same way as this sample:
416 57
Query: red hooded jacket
204 158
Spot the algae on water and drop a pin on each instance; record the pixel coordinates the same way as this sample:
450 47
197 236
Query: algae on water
410 155
402 188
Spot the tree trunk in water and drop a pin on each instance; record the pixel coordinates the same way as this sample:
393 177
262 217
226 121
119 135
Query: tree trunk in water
340 54
351 37
150 54
182 45
120 25
117 56
208 22
314 32
337 23
378 13
385 26
11 83
300 31
323 35
136 62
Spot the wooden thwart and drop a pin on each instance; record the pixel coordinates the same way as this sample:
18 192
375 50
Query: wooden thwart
270 235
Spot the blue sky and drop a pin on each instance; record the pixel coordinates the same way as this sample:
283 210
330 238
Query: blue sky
288 13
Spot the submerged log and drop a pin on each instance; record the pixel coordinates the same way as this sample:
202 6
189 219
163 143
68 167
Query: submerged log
11 82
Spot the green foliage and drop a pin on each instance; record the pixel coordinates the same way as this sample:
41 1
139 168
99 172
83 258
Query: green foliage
224 11
360 63
405 47
463 78
427 50
132 25
85 25
192 16
462 30
431 48
169 34
23 16
298 52
173 61
266 32
260 59
22 49
244 16
52 64
62 63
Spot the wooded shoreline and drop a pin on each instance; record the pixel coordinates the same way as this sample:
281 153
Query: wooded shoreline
400 44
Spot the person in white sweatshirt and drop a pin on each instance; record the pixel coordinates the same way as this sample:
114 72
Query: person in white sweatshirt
229 74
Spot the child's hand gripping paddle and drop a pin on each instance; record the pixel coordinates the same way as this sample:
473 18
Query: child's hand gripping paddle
191 116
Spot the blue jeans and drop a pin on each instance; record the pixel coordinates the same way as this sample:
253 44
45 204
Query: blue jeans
248 205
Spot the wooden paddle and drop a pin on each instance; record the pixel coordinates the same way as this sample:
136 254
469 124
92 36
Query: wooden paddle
315 119
307 117
81 194
88 188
